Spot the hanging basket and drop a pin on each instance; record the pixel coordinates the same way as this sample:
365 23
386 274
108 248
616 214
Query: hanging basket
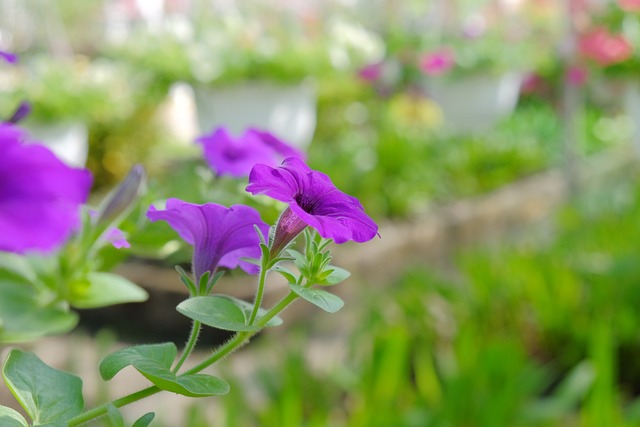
477 102
287 111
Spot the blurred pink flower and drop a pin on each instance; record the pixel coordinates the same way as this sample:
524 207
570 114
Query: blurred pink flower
531 83
438 62
604 48
371 72
577 76
629 5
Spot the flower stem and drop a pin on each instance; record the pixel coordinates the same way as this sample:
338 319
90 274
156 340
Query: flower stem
259 292
240 339
101 410
193 338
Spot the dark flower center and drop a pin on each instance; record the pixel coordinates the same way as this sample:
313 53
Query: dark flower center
308 203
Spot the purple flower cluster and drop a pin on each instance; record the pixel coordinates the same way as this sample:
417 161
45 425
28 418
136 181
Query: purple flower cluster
224 236
236 156
40 196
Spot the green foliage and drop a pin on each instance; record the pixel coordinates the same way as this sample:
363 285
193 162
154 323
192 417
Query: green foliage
223 312
144 420
11 418
154 363
103 289
46 394
25 315
323 299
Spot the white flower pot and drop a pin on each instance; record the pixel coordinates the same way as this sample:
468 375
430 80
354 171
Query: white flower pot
475 103
68 140
289 112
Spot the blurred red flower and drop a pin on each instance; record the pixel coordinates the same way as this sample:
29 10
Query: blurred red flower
604 47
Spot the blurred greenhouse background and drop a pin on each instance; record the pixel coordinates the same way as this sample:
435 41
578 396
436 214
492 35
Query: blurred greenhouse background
496 142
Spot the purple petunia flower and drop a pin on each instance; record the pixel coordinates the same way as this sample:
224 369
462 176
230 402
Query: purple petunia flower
40 196
11 58
116 237
313 201
232 156
220 236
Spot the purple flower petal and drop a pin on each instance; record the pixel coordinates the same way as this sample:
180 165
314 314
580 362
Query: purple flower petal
9 57
116 237
220 236
228 155
314 199
283 149
40 196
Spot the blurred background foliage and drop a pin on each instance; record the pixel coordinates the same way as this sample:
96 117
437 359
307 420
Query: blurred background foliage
538 330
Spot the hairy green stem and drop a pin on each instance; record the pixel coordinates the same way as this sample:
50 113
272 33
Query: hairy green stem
101 410
259 293
193 338
241 338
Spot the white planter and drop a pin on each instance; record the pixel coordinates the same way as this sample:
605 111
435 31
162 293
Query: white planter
289 112
475 103
69 141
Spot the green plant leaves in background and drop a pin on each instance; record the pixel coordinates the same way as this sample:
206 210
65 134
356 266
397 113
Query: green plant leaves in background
154 363
47 395
25 318
103 289
222 312
323 299
11 418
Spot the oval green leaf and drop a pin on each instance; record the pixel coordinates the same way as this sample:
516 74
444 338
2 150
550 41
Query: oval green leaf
318 297
24 318
11 418
102 289
144 420
47 394
217 311
163 354
198 385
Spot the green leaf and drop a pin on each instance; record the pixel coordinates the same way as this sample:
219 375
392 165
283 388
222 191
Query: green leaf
186 280
23 316
286 273
198 385
114 416
11 418
47 395
217 311
154 363
323 299
17 265
298 258
144 420
222 312
104 289
164 354
336 275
